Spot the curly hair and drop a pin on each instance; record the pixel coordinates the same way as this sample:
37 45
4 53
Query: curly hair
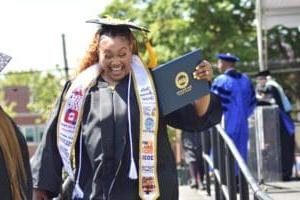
92 55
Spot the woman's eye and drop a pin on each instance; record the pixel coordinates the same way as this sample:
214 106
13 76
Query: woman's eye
107 56
122 55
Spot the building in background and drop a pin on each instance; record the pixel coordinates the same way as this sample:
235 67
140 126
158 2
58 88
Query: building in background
24 118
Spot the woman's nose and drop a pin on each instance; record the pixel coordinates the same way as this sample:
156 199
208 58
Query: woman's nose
115 62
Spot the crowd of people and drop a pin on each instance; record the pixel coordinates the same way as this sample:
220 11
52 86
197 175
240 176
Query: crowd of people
112 142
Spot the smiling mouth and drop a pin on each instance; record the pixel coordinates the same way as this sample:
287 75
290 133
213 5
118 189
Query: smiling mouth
116 69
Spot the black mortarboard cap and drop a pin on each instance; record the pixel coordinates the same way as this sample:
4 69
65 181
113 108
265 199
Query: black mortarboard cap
264 73
109 21
228 57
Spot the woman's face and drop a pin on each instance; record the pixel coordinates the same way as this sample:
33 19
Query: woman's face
115 54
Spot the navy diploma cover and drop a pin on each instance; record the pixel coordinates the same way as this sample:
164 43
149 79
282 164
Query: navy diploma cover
175 85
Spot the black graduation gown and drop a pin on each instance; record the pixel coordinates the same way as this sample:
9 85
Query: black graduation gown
287 140
5 190
105 153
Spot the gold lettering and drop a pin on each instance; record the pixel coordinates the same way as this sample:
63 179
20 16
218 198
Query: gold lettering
184 91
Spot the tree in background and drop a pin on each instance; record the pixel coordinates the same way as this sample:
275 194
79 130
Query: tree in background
44 88
180 26
284 44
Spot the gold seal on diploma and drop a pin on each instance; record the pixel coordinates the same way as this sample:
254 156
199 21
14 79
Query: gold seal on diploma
181 80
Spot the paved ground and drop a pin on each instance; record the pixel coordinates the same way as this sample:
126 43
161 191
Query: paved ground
284 190
185 193
276 190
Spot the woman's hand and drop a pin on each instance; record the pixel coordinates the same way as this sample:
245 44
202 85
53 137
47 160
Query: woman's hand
203 71
39 194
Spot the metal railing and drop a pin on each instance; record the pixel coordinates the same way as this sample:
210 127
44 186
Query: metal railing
224 157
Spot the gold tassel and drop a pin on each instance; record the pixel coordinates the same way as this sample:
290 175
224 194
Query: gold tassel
151 52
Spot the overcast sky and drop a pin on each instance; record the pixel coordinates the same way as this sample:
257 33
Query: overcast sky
31 31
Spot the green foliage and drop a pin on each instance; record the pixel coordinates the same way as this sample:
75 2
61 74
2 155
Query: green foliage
44 88
9 108
179 26
283 43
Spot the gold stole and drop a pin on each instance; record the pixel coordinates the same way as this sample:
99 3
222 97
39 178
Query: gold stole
148 106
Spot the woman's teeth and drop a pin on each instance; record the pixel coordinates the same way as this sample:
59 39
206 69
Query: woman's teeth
116 68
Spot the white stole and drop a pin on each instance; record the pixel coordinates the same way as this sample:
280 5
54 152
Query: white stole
69 121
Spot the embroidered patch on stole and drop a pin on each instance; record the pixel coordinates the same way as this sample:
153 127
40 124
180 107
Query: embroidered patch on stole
147 101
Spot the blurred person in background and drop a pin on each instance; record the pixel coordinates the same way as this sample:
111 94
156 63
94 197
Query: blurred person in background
15 174
191 143
270 92
237 95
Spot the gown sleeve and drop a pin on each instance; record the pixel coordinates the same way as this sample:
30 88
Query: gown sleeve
46 164
186 118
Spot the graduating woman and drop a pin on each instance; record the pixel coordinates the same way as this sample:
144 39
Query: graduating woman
106 129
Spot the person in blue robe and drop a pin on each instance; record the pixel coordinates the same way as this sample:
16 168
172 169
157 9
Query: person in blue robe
237 95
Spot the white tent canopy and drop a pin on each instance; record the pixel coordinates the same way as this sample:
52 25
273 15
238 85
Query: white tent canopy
280 12
270 13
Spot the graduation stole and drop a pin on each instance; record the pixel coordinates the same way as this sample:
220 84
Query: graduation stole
285 101
69 122
148 107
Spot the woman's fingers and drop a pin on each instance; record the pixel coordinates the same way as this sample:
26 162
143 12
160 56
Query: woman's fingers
203 71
